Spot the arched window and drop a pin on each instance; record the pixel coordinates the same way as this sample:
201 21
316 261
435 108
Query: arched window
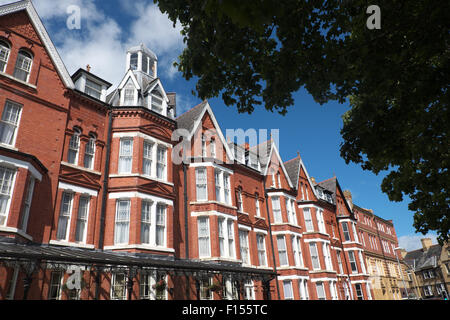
4 55
74 146
23 65
89 153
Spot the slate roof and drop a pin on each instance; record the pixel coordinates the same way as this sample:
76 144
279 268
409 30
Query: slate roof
293 170
188 119
263 152
421 259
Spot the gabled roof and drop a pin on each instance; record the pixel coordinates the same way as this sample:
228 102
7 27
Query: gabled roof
28 7
129 75
333 186
192 119
293 170
420 259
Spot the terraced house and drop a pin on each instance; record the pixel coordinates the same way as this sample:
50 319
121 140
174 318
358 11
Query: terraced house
108 193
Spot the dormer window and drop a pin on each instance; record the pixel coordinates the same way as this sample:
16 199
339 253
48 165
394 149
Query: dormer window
4 55
134 61
23 66
157 101
93 89
129 94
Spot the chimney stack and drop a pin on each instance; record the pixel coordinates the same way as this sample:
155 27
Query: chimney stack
313 180
348 197
88 68
246 146
426 243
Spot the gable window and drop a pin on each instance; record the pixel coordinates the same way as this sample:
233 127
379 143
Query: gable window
6 183
243 241
276 210
9 123
27 204
82 219
203 237
74 146
4 55
320 221
261 246
308 220
93 89
212 148
346 231
314 255
125 155
203 146
122 223
161 163
157 101
89 153
201 186
290 207
282 252
23 66
147 158
64 216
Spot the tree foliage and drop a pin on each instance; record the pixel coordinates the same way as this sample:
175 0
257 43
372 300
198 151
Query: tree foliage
396 79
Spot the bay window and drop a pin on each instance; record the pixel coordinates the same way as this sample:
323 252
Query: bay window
160 225
125 155
203 237
243 242
122 223
261 246
282 252
314 256
353 265
27 204
346 231
308 220
6 184
146 221
287 288
320 291
161 162
82 219
276 210
297 248
147 158
201 184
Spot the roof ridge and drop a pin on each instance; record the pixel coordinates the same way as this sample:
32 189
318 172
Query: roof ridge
193 108
326 180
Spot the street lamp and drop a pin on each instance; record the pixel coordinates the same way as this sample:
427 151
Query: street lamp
404 283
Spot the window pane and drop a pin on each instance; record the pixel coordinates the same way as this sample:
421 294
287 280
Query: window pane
82 219
9 122
122 221
64 216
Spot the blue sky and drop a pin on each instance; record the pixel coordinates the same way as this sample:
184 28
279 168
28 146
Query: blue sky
109 27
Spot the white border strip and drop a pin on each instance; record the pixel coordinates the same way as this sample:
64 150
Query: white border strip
7 161
132 194
77 189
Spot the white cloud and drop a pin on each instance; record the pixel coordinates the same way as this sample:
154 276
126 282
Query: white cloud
412 242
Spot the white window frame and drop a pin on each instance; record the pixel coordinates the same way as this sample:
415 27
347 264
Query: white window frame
201 183
56 280
308 219
27 204
66 215
13 125
320 289
147 282
314 252
83 220
287 290
5 51
93 89
89 153
282 251
147 158
352 261
261 247
125 156
204 235
257 207
125 222
226 238
321 222
244 246
7 196
161 162
296 248
346 232
114 286
24 64
327 256
276 208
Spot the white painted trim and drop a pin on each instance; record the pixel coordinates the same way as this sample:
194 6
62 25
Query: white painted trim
18 80
124 81
274 147
43 35
17 231
141 195
283 232
213 202
280 193
323 279
81 168
140 175
352 248
244 227
77 189
293 277
5 161
138 246
213 213
71 244
261 231
210 164
316 240
139 134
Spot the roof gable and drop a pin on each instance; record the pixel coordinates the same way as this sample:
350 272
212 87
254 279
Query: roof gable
27 6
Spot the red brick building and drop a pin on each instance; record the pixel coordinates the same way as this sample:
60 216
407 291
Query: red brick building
112 195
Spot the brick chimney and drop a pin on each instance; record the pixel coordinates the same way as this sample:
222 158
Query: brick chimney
426 243
246 146
313 180
348 197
